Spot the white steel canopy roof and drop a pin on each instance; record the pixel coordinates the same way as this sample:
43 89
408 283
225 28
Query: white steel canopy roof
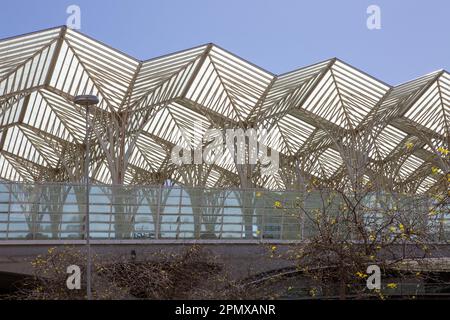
321 118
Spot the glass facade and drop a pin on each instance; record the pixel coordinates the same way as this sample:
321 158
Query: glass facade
57 211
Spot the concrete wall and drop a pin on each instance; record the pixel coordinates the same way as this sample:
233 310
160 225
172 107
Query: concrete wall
241 258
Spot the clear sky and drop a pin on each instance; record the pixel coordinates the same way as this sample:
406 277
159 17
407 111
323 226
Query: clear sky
277 35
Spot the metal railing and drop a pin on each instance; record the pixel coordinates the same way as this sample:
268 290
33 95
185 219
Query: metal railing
57 211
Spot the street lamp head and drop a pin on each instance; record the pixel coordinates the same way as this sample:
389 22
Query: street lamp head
86 100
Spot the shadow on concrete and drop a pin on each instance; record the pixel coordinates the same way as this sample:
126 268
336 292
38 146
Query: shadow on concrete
11 283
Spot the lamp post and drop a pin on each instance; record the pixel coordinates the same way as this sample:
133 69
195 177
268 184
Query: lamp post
87 101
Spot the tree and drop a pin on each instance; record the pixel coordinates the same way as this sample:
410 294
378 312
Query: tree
350 231
192 274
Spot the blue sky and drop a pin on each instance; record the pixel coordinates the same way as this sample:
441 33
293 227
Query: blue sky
277 35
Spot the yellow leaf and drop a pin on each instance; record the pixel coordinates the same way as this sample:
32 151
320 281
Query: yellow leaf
361 275
409 145
443 151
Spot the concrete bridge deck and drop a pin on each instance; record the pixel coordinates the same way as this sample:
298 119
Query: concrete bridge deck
242 258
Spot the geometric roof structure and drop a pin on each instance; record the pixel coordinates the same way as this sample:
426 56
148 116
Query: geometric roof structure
330 122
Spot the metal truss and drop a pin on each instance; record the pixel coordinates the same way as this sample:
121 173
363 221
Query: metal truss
331 123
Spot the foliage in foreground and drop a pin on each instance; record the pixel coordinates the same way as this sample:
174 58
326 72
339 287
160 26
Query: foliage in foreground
191 274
